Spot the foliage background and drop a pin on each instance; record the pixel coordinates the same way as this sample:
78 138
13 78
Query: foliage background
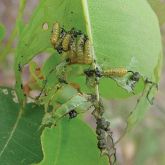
145 144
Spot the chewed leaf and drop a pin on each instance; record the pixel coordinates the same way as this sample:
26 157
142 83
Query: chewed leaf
73 104
64 94
77 103
123 36
59 94
35 38
71 142
54 73
51 64
141 107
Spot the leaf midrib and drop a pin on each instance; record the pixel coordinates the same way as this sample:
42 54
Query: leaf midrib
11 133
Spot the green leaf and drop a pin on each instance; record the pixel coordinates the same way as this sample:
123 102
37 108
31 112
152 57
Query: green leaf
51 63
2 31
159 7
70 142
74 103
58 96
53 69
65 93
139 111
35 39
20 134
124 34
143 103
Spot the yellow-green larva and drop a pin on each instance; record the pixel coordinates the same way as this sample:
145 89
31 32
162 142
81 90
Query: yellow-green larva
116 72
55 34
87 52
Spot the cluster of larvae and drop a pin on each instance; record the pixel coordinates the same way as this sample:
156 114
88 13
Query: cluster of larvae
74 43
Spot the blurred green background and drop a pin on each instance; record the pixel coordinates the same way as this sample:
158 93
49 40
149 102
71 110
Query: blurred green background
145 145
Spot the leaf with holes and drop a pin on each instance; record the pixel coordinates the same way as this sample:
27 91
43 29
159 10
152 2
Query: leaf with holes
77 103
125 34
143 103
122 35
35 38
70 142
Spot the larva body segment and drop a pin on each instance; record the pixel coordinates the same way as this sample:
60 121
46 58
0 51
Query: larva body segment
72 54
87 52
59 46
116 72
80 49
55 34
66 42
74 43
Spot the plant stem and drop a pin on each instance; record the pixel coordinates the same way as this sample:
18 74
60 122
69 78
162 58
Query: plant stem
109 149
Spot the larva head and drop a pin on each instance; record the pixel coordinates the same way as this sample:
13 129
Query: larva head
135 76
101 144
72 114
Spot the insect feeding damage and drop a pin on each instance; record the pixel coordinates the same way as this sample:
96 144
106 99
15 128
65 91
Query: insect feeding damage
76 47
73 42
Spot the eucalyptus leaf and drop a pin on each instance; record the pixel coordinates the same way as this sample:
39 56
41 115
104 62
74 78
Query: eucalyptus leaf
73 104
77 103
70 142
139 111
51 63
20 134
35 38
143 103
53 70
124 34
58 95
